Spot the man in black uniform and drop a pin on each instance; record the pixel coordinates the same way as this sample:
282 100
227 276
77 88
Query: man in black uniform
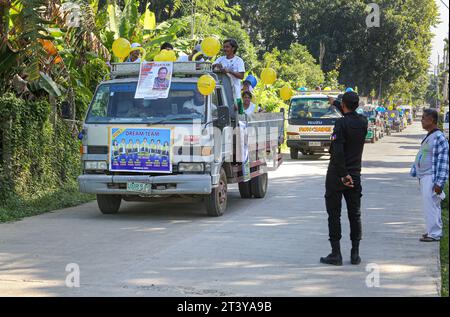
344 178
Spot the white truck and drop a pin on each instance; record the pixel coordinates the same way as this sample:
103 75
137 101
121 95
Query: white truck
138 149
311 121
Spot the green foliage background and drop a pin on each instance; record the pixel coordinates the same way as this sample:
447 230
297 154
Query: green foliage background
44 158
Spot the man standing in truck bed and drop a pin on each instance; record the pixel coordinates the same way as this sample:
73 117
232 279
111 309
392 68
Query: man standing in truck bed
344 178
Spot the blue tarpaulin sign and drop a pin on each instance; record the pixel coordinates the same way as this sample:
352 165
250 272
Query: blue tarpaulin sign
140 150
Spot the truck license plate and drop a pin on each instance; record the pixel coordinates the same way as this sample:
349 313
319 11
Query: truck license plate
139 187
314 143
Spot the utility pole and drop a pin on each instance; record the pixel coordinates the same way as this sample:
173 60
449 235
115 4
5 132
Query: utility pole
445 74
437 85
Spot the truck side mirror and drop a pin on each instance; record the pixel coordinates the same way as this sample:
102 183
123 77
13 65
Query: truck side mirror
223 117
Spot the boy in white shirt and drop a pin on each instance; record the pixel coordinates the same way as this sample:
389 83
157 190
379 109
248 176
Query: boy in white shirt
232 65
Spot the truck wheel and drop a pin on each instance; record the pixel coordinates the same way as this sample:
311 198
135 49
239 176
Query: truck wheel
109 204
294 153
245 189
259 185
216 202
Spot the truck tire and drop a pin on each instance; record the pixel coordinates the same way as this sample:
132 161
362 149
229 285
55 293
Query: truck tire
259 185
245 189
294 153
216 202
109 204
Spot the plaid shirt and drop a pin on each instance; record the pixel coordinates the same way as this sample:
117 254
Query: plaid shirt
439 166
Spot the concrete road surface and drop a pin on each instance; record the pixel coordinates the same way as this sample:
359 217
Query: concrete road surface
265 247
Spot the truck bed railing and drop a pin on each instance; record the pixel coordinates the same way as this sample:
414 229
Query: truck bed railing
124 70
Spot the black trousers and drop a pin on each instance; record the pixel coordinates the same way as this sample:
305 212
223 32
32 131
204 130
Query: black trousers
334 190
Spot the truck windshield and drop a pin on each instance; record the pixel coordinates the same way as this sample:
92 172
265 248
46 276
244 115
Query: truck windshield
115 103
312 108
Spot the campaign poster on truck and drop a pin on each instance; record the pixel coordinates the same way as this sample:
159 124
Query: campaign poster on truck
154 80
140 150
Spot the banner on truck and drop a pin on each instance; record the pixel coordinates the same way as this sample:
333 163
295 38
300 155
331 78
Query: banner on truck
154 80
140 150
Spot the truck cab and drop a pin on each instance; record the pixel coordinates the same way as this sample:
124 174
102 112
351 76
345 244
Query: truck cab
185 145
311 121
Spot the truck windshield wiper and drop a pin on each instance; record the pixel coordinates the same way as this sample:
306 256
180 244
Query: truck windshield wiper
175 118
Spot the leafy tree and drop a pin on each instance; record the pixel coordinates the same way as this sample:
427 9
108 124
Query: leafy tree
335 32
295 65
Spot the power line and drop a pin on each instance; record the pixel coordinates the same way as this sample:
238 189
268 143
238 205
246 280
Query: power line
442 1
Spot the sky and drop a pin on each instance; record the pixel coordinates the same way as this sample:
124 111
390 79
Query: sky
441 32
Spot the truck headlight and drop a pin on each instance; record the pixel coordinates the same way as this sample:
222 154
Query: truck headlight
95 165
191 167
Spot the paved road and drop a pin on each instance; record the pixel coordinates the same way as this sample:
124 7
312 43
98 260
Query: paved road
268 247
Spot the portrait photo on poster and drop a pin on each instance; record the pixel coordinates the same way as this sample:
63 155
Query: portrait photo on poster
154 80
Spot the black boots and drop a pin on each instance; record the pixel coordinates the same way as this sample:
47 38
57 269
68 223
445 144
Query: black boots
354 254
335 257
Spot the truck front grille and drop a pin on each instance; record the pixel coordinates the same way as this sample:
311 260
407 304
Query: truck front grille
312 137
96 149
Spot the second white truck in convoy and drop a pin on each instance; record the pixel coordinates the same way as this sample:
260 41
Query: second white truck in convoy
311 120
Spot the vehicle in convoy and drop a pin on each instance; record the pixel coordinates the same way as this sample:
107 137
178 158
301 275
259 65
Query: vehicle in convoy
311 121
403 118
408 113
137 149
394 120
375 129
446 122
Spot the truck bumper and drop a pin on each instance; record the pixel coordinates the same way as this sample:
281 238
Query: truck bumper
191 184
305 145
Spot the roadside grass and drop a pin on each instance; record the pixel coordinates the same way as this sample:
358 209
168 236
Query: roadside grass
444 247
16 208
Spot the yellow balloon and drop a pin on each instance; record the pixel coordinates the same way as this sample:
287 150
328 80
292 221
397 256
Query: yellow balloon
206 85
392 115
210 46
166 56
121 47
268 76
327 89
158 58
171 56
390 108
286 93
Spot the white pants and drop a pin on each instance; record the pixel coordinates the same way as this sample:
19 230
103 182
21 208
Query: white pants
431 205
